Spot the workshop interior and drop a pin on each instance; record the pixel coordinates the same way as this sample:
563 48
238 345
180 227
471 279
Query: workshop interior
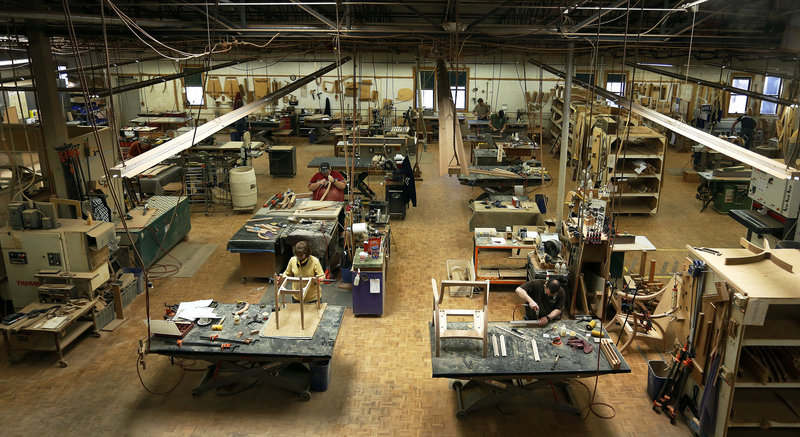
439 217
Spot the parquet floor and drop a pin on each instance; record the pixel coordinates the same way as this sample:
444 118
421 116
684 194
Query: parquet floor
381 383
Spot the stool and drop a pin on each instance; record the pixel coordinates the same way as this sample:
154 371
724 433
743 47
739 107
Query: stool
281 291
480 322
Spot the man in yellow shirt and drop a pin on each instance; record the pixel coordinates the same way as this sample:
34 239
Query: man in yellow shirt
305 265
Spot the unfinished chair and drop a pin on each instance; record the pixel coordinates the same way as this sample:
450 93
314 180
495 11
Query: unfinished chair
281 291
480 323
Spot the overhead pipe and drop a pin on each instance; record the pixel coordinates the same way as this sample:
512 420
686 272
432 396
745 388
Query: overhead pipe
142 162
104 92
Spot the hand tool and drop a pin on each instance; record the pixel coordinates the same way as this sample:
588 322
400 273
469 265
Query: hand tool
494 346
215 337
555 362
711 251
218 327
535 350
512 333
503 345
222 346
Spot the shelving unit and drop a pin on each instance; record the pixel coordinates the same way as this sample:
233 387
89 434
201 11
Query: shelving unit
634 167
752 399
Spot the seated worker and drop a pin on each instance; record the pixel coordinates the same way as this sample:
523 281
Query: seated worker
748 131
545 300
303 264
327 184
498 122
481 110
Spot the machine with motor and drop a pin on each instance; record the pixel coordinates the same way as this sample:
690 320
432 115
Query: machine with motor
776 206
76 248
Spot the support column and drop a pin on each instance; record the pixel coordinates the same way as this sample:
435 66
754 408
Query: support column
54 126
562 163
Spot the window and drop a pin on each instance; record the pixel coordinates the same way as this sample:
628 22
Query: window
427 89
458 89
585 77
615 82
193 87
738 102
62 76
772 87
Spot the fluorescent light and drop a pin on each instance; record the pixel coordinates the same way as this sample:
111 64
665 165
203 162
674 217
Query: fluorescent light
14 62
653 64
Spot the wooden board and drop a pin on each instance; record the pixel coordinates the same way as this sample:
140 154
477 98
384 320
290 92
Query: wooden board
290 322
318 209
261 85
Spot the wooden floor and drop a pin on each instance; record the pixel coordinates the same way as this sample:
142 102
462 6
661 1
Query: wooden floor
381 383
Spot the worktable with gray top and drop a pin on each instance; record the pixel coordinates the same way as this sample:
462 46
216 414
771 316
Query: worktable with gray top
463 359
276 361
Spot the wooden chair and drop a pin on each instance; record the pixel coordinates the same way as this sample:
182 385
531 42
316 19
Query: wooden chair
480 323
629 324
281 291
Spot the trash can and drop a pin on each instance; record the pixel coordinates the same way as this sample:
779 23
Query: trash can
320 375
657 373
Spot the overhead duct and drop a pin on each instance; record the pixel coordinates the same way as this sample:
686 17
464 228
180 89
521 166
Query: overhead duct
178 144
741 154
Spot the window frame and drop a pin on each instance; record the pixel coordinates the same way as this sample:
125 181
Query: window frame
624 82
749 78
764 91
453 89
186 103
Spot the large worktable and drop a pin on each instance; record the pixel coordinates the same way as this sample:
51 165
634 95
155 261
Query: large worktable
490 380
500 183
270 359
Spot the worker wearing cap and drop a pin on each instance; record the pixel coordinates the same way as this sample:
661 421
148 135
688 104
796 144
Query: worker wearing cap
481 110
545 300
327 181
305 265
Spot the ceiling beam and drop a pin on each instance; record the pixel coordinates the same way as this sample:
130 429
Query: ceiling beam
738 153
488 14
316 14
752 70
715 85
600 14
142 162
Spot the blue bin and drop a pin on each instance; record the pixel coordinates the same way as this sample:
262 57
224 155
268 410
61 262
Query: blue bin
320 375
347 275
657 373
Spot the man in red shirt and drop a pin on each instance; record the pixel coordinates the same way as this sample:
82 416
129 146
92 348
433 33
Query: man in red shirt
327 181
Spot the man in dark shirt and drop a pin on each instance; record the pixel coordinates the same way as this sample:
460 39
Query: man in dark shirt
545 300
748 131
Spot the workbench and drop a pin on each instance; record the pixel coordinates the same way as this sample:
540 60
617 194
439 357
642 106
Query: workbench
498 275
280 362
508 215
259 257
29 334
160 232
501 184
491 380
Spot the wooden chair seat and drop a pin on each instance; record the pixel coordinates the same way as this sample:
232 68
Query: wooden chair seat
281 290
480 322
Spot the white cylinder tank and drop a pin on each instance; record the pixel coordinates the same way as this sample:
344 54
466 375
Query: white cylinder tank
244 191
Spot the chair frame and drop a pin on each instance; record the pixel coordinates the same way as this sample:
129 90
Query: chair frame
281 291
480 321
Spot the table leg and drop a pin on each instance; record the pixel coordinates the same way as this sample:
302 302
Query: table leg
10 354
57 340
642 263
477 394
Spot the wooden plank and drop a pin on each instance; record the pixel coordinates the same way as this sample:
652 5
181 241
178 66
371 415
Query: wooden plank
290 321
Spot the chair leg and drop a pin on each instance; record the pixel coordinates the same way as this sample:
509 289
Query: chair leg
302 314
277 307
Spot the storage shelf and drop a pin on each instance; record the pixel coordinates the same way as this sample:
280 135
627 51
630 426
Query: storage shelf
753 407
780 328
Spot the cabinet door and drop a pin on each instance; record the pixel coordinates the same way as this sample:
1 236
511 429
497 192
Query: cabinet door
368 294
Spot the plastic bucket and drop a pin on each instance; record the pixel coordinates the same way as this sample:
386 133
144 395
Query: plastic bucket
320 375
657 373
244 191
